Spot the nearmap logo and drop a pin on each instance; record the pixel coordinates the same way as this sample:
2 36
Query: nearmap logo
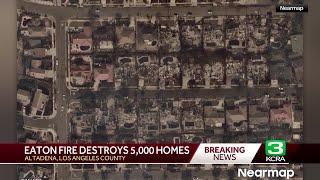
275 150
262 173
292 8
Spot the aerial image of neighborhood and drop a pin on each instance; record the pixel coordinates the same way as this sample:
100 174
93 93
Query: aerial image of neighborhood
157 71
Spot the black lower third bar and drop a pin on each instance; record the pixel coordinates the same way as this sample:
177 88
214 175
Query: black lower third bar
293 153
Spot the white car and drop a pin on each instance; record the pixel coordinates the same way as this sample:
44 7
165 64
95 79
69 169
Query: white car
281 90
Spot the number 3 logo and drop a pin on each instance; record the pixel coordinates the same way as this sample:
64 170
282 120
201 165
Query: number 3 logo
275 148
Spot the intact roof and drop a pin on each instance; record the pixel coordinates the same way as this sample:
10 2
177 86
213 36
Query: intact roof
23 92
297 43
39 97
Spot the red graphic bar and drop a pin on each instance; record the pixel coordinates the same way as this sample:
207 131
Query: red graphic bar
136 153
97 153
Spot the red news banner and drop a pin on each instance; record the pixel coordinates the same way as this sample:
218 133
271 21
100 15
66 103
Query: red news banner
224 153
100 153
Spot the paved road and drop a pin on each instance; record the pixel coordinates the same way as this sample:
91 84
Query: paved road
63 13
62 96
59 122
209 93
